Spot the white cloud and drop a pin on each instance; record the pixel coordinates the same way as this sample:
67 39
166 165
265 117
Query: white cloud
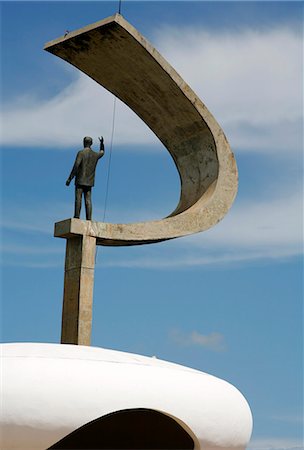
83 108
289 418
30 250
250 80
35 264
178 259
268 225
270 229
35 218
213 341
276 444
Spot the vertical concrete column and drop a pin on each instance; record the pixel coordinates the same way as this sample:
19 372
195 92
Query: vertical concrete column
78 290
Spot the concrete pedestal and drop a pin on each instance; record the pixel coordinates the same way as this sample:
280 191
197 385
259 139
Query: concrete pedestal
78 290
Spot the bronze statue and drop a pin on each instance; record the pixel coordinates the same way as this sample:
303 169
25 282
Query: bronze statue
84 173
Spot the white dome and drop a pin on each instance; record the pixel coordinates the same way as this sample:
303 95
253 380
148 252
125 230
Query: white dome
50 390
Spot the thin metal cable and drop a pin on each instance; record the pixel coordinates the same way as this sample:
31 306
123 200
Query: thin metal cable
110 159
109 168
110 155
111 144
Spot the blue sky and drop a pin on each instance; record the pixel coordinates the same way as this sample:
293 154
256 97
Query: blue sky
227 301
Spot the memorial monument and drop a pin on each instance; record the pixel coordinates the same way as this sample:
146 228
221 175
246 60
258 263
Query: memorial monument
98 398
183 124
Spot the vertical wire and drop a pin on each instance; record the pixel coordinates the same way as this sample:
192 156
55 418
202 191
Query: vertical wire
110 155
110 159
109 169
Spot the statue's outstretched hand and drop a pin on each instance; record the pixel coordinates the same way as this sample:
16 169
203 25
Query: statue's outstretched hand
101 146
67 183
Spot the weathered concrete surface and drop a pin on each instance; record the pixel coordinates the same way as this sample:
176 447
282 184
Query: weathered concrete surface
78 290
118 57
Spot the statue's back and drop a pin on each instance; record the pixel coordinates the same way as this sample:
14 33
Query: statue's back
86 171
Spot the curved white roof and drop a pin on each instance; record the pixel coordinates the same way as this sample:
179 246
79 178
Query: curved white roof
49 390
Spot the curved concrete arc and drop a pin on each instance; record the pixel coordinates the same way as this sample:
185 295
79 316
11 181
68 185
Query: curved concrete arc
118 57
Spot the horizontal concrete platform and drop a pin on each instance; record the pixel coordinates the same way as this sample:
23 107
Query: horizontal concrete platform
107 234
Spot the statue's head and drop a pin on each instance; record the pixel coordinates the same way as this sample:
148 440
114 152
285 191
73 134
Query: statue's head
87 141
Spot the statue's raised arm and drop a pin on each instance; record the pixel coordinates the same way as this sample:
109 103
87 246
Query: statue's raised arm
101 146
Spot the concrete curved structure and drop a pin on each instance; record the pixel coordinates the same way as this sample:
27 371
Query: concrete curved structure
50 390
119 58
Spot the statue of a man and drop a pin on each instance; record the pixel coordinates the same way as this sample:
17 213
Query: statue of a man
84 173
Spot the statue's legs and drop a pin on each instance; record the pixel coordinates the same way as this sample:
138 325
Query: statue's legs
88 203
78 194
